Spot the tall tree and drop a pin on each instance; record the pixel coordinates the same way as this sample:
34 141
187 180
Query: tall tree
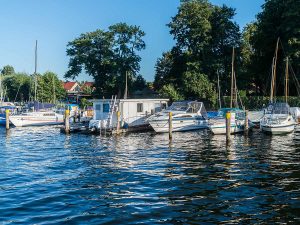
50 88
107 56
279 19
8 70
17 87
204 35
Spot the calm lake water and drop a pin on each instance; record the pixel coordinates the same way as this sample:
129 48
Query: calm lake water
50 178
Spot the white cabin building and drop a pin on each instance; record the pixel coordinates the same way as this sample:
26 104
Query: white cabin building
133 112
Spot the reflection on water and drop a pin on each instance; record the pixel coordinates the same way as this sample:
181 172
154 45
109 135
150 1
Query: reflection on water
50 178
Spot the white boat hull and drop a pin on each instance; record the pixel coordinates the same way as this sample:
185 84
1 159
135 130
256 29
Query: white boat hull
23 121
278 129
278 124
221 129
162 126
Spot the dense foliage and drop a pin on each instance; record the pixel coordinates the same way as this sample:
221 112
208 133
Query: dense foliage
20 87
107 56
205 35
279 19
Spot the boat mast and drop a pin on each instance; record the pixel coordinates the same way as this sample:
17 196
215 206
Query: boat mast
232 79
125 92
287 80
35 75
54 94
1 89
219 90
273 83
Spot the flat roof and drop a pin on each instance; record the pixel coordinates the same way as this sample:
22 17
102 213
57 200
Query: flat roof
131 100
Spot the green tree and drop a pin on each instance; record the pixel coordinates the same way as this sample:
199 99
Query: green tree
87 90
205 35
169 91
7 70
278 19
17 87
139 83
50 88
107 56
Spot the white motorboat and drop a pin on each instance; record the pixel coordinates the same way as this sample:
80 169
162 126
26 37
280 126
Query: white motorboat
186 115
217 125
255 117
278 119
39 118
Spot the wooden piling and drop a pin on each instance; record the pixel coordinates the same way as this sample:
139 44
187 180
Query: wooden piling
246 127
118 121
228 126
67 121
170 125
7 118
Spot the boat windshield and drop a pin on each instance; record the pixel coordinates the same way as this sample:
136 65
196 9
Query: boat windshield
239 113
178 106
278 108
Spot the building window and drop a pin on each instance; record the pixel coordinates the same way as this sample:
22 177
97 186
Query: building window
140 107
98 107
106 108
157 107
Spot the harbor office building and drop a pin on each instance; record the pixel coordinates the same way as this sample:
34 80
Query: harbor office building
133 112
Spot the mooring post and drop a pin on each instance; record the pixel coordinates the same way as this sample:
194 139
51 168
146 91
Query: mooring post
75 116
228 130
246 127
7 118
170 125
118 121
67 121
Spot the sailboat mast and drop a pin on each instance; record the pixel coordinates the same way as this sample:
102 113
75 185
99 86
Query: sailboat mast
54 94
125 94
35 75
287 79
219 90
273 88
232 79
1 90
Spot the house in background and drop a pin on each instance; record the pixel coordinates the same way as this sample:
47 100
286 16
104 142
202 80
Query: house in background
76 91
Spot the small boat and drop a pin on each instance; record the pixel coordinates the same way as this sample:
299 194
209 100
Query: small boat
3 108
37 118
217 125
186 115
278 119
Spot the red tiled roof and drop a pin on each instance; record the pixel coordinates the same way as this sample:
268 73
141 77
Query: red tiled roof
68 85
87 84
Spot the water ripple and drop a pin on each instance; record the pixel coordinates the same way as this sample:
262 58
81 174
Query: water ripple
50 178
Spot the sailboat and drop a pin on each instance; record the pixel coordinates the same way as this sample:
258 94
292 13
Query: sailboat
217 125
278 118
39 117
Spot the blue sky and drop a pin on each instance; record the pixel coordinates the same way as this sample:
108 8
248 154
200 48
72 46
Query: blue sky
56 22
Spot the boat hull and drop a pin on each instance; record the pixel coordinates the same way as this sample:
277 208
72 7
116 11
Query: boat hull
222 129
24 121
162 126
277 129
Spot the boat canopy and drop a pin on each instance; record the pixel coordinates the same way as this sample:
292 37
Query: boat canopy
278 108
189 107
